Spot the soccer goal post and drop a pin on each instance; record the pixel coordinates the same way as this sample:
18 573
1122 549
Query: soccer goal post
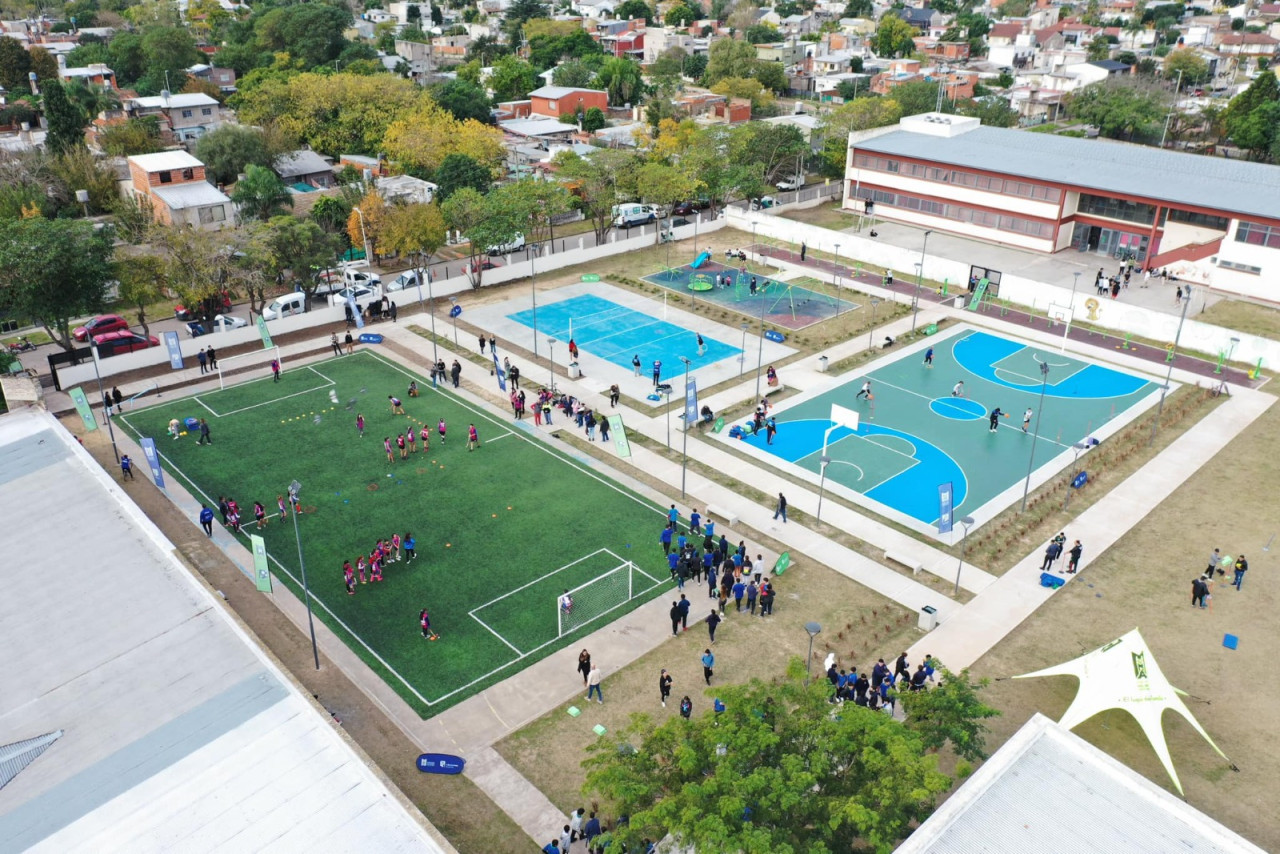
247 361
596 598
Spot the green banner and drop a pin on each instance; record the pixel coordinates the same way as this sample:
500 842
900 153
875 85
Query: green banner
619 436
784 561
82 406
262 330
262 575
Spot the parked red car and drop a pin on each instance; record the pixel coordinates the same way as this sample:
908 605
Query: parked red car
123 342
100 325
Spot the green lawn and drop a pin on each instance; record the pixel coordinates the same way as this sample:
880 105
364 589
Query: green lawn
500 531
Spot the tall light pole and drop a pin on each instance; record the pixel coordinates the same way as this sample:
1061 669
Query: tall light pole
431 298
1044 382
294 489
688 423
875 301
533 295
454 315
966 521
837 280
1079 446
666 392
552 343
760 347
915 303
1071 312
1168 377
813 629
742 353
106 410
822 484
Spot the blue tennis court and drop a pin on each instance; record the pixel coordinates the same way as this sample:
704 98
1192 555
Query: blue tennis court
616 333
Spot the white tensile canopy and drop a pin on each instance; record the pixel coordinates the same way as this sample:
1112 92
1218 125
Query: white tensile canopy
1123 674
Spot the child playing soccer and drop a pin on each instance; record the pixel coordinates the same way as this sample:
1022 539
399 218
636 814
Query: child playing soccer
396 408
386 445
409 544
404 454
280 504
360 425
377 571
259 513
349 577
395 545
473 438
411 439
360 568
425 435
440 428
425 621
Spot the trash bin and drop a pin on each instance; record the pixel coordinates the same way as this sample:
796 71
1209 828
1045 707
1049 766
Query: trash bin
574 371
822 364
928 619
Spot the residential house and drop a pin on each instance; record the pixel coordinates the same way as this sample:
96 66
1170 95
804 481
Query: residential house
798 25
628 43
223 78
555 101
594 9
925 20
1248 49
418 56
657 40
304 170
401 12
937 49
173 183
406 189
95 74
377 16
369 167
788 53
184 117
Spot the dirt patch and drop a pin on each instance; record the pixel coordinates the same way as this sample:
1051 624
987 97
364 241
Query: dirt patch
1244 317
455 805
1145 581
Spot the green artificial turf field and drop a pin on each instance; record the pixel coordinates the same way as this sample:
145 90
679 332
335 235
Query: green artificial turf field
500 531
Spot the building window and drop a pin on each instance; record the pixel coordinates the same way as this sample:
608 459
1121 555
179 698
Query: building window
210 215
959 213
1116 209
986 183
206 111
1240 268
1257 234
1217 223
166 178
186 114
188 174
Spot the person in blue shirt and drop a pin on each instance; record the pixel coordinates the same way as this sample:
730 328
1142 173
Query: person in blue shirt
591 829
710 527
708 564
708 665
681 542
673 560
673 515
738 590
666 539
683 605
695 522
206 519
711 583
752 593
724 545
410 544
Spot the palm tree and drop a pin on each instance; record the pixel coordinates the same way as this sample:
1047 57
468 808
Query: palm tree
621 78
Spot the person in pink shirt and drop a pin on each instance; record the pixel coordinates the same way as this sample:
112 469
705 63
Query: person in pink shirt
440 428
473 438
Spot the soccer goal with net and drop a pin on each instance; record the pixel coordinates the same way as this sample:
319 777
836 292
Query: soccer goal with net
607 592
247 361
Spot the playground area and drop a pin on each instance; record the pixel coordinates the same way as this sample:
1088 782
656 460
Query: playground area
923 425
791 306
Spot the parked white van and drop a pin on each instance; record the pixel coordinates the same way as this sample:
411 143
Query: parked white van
286 306
404 281
625 216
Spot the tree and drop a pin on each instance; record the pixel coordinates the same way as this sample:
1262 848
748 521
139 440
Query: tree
15 62
763 34
664 186
952 713
311 32
1098 50
594 120
712 155
171 50
457 171
1259 131
141 277
859 114
512 79
919 96
464 100
367 224
424 138
729 58
300 246
737 87
483 222
331 212
622 79
226 151
560 40
778 770
1120 109
132 136
597 181
893 37
991 110
681 15
777 150
260 194
574 74
632 9
858 9
1194 69
695 67
52 271
517 14
416 232
43 65
533 205
133 217
66 122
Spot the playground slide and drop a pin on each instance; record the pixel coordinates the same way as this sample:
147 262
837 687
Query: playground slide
701 259
978 293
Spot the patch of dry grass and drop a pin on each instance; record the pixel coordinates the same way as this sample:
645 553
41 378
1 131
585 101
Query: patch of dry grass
1245 317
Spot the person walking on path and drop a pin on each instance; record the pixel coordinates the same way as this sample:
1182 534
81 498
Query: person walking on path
1241 567
483 343
206 520
782 508
713 620
804 250
635 363
126 468
213 359
771 430
203 358
349 343
1051 553
116 397
1074 563
204 433
683 605
664 686
584 665
708 665
675 619
593 684
657 373
455 372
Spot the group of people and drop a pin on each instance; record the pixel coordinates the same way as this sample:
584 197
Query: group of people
1054 551
1112 285
587 827
391 550
439 373
229 510
878 692
1201 587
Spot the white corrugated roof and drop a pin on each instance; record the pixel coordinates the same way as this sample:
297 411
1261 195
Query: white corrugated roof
1048 791
191 195
177 101
162 160
178 733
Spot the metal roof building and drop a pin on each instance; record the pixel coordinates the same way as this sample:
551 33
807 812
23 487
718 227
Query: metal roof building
135 714
1048 791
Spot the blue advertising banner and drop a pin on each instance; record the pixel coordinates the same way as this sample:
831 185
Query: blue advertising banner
1080 480
441 763
455 311
690 402
944 507
498 371
355 312
153 461
174 347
